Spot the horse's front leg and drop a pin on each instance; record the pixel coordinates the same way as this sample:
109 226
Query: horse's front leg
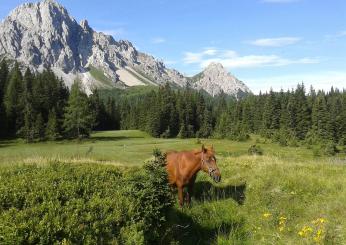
181 195
190 189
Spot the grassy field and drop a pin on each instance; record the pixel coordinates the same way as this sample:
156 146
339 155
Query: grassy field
285 196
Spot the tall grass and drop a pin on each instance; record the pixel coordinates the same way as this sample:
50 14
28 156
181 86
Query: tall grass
288 195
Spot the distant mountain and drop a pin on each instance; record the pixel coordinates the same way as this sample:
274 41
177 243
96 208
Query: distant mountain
43 34
215 79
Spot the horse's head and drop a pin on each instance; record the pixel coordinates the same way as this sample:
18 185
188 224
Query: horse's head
208 163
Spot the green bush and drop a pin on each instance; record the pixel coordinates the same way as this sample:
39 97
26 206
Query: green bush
285 137
83 203
255 150
329 149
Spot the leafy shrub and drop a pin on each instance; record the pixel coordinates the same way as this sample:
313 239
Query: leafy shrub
255 150
87 203
316 151
329 149
285 137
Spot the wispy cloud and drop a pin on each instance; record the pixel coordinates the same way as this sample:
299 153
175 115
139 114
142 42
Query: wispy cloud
158 40
337 35
231 59
275 42
280 1
190 57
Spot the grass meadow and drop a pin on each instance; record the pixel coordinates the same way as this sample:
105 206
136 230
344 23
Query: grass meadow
285 196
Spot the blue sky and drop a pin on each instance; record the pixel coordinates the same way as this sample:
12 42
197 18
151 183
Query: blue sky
265 43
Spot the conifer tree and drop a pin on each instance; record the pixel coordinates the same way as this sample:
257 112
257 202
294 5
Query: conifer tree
79 119
39 127
14 100
303 113
206 128
28 129
52 130
3 82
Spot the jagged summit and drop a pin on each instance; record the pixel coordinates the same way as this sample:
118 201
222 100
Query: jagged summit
43 34
216 79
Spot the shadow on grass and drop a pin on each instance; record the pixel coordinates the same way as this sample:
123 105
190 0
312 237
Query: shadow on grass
5 143
206 191
184 230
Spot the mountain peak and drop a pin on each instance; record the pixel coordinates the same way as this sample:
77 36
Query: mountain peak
43 34
215 65
216 79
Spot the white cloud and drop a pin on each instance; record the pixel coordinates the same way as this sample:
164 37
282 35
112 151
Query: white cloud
335 36
231 60
190 57
319 80
210 51
158 40
275 42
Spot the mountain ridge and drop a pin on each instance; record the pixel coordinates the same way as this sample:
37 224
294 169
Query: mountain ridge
43 34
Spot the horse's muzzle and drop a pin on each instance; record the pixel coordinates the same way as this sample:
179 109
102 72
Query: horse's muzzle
217 178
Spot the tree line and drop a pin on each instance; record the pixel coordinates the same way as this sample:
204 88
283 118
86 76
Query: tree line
40 107
286 117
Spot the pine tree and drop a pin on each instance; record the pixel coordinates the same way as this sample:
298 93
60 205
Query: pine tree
79 119
39 128
303 112
27 131
52 130
14 101
206 128
321 123
3 82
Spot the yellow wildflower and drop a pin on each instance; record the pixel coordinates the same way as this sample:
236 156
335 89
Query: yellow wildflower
267 215
305 231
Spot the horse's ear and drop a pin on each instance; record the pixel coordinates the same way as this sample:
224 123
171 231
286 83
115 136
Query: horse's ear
212 148
203 148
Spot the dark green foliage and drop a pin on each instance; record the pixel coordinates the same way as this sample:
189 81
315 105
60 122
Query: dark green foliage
79 119
52 130
285 117
255 150
151 207
13 100
39 127
84 204
3 83
27 101
329 149
206 127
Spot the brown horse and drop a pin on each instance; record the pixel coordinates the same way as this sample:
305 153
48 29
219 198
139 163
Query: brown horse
182 168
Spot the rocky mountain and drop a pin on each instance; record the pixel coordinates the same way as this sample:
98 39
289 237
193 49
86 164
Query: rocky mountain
41 35
215 79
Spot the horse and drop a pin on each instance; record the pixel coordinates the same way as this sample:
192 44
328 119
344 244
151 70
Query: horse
182 168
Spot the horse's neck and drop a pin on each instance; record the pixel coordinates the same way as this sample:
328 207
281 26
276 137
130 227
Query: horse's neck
196 167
